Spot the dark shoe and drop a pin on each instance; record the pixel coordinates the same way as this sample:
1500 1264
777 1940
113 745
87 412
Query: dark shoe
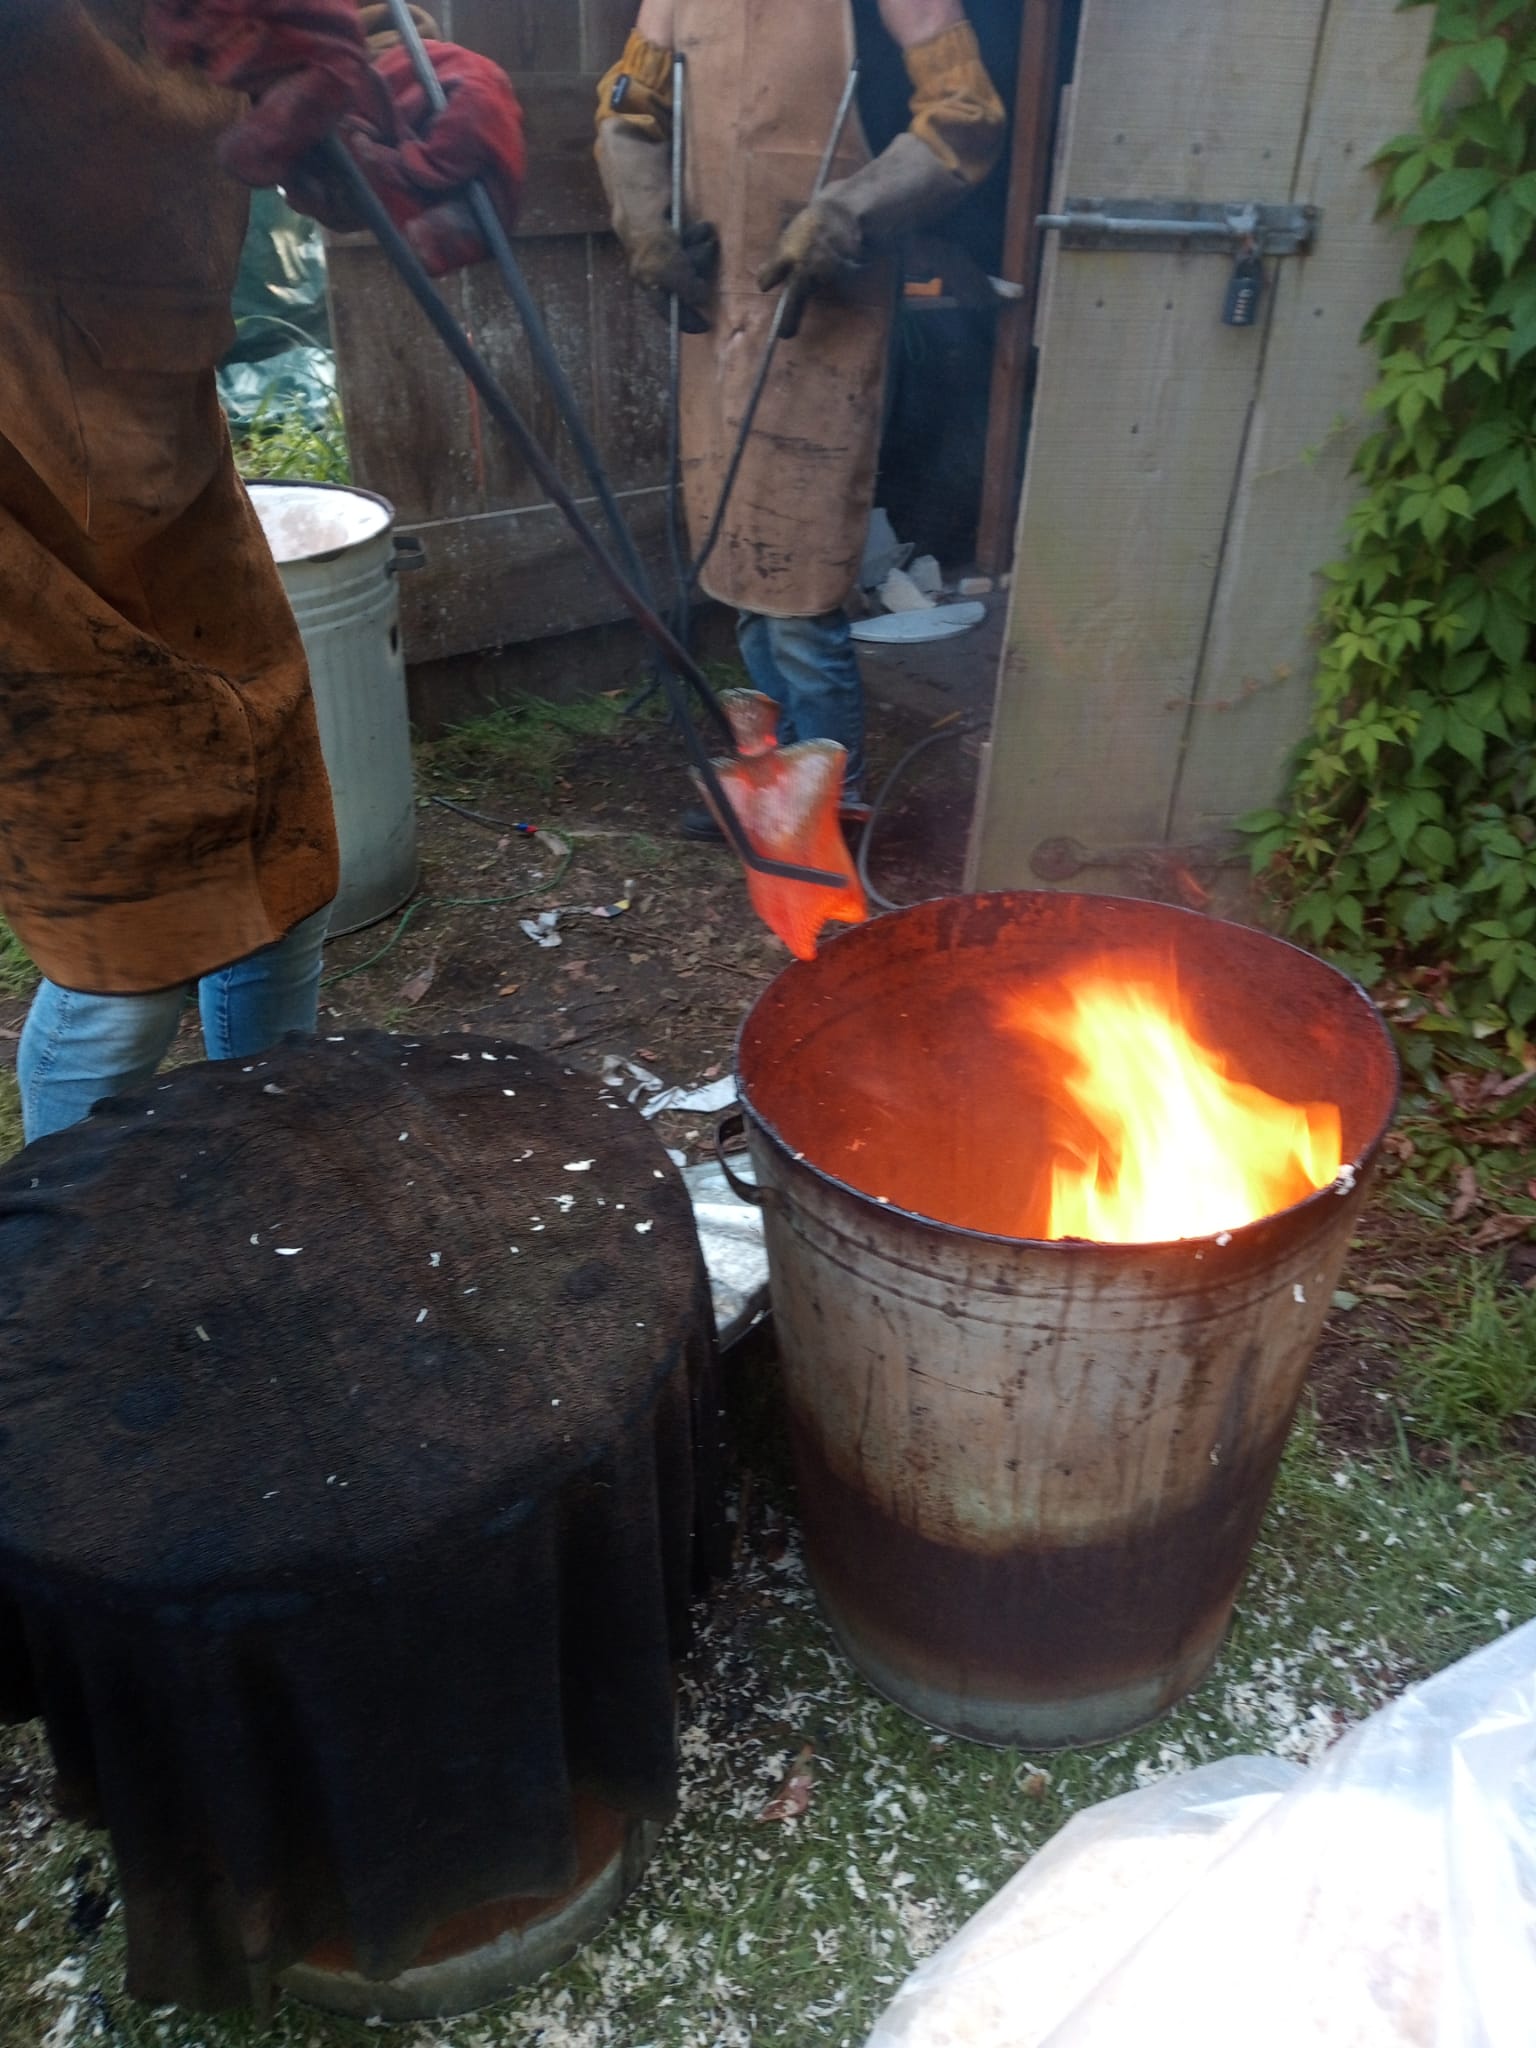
699 823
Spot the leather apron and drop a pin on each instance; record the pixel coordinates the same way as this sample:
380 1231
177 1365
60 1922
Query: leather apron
763 82
164 808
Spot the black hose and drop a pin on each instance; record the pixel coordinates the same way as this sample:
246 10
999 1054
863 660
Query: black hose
931 739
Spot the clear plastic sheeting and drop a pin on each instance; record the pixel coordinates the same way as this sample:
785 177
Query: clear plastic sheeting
280 366
1385 1898
731 1234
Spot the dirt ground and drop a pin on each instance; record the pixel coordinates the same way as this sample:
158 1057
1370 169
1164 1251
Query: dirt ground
667 981
1371 1570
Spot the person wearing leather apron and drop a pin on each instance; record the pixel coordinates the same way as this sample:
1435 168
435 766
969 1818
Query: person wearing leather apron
165 817
764 79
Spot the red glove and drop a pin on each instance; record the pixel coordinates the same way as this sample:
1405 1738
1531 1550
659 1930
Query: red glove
420 174
419 162
303 62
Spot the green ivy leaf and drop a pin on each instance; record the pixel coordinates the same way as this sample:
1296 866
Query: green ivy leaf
1467 739
1450 195
1507 630
1442 74
1488 59
1434 845
1497 478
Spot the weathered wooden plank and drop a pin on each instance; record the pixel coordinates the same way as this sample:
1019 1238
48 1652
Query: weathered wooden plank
502 567
1253 691
564 195
556 273
506 577
412 424
1141 408
605 27
629 357
522 35
1034 109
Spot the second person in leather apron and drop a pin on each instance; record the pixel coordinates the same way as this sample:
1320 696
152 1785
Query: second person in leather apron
764 79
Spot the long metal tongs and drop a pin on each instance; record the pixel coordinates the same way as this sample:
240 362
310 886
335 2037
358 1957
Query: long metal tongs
677 666
494 235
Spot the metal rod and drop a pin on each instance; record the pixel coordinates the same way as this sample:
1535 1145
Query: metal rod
1112 224
760 382
494 235
675 542
678 666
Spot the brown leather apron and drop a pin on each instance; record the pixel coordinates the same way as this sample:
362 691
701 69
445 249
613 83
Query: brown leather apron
164 807
763 85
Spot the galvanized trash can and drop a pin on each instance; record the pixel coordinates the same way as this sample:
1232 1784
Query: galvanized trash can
337 554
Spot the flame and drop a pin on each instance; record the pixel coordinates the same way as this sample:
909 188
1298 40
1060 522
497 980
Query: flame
1156 1137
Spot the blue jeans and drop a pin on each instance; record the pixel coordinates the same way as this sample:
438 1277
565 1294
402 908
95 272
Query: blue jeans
808 667
75 1048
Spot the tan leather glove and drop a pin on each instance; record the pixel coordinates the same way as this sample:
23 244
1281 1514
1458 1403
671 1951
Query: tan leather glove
378 25
634 133
953 141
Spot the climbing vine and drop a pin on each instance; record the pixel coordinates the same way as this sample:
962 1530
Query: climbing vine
1408 846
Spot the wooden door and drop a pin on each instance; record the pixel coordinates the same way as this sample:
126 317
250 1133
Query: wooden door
501 566
1186 480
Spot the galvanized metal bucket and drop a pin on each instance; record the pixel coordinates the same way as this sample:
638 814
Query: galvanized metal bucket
338 557
1031 1472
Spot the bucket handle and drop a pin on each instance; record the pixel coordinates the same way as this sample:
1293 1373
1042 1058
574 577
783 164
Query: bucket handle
409 554
734 1125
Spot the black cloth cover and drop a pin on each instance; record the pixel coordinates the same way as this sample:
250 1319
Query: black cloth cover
357 1432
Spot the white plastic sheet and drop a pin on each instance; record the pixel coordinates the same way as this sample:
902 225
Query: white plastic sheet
1386 1898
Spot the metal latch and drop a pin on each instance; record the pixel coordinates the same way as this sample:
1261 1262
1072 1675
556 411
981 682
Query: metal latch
1183 225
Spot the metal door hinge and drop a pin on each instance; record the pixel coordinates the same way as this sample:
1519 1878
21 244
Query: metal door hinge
1184 225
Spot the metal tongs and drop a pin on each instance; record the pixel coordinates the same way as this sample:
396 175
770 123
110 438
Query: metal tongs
677 666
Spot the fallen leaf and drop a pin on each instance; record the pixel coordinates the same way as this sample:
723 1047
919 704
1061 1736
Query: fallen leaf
1192 892
413 990
712 1073
1466 1195
1502 1229
794 1793
1034 1786
1344 1301
511 989
1384 1290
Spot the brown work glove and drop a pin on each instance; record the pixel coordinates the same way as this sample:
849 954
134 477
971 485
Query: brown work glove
378 25
956 133
634 132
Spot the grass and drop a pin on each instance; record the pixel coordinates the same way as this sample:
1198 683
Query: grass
288 447
1469 1386
1367 1575
532 734
10 1114
18 977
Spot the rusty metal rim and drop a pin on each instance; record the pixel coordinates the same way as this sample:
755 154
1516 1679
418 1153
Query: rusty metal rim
1199 1289
1079 1247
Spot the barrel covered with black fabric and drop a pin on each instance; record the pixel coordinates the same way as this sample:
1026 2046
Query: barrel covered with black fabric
357 1439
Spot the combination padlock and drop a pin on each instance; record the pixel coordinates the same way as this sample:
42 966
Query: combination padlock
1240 307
